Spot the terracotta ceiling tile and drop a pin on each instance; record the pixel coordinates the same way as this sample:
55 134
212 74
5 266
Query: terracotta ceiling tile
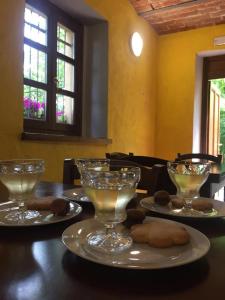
168 16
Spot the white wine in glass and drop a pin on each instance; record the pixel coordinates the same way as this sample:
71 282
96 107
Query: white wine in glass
20 177
188 176
110 191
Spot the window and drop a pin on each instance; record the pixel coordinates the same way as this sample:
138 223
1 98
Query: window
52 70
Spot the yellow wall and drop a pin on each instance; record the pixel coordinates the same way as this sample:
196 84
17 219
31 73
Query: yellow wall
175 87
132 89
140 120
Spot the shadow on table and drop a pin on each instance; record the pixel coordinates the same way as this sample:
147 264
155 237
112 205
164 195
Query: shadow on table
117 280
36 233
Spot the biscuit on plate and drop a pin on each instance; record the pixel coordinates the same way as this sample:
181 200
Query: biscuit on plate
202 204
160 234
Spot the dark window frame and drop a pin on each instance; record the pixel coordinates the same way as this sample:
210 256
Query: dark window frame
55 15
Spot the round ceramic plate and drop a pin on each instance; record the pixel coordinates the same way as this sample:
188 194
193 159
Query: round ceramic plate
76 194
139 256
217 212
46 217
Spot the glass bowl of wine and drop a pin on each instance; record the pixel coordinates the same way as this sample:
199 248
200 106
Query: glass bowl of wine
188 176
110 191
98 164
20 177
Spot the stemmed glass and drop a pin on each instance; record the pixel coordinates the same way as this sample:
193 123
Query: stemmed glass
20 177
110 191
188 176
91 163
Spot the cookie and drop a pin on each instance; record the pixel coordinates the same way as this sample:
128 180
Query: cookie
43 203
160 234
202 205
58 206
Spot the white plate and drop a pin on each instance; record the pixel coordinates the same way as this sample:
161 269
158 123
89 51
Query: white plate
46 217
218 209
139 256
76 194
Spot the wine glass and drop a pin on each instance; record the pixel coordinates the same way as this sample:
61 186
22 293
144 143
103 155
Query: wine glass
20 177
91 163
110 191
188 176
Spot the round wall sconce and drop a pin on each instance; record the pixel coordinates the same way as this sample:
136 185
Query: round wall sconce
136 44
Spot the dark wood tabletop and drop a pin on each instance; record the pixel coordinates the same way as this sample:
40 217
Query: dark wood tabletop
35 265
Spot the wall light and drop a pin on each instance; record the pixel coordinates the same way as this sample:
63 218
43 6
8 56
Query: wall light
136 44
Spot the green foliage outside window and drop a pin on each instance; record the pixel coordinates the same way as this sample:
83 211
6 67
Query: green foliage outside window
220 84
222 131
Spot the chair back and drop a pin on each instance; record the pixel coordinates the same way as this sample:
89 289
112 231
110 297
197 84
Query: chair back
70 171
153 178
118 155
149 176
204 156
164 182
146 160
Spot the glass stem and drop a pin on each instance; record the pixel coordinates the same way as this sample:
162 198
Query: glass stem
109 229
188 203
22 209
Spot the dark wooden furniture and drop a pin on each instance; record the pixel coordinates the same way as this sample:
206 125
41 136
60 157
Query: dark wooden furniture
147 160
70 171
149 176
164 181
208 157
118 155
214 183
153 178
36 265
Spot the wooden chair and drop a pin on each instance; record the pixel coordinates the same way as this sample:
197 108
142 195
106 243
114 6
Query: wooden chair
70 171
164 181
148 161
118 155
203 156
149 176
152 178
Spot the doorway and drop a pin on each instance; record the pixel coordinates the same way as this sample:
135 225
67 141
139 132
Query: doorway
213 106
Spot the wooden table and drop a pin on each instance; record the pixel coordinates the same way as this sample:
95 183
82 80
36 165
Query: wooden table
35 265
215 181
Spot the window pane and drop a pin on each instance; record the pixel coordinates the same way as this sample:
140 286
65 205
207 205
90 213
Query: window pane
64 109
35 64
35 26
34 103
65 41
65 75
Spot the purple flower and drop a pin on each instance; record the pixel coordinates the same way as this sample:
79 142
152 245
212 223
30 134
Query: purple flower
59 113
27 103
33 106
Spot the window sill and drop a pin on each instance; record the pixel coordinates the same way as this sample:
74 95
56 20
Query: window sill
31 136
